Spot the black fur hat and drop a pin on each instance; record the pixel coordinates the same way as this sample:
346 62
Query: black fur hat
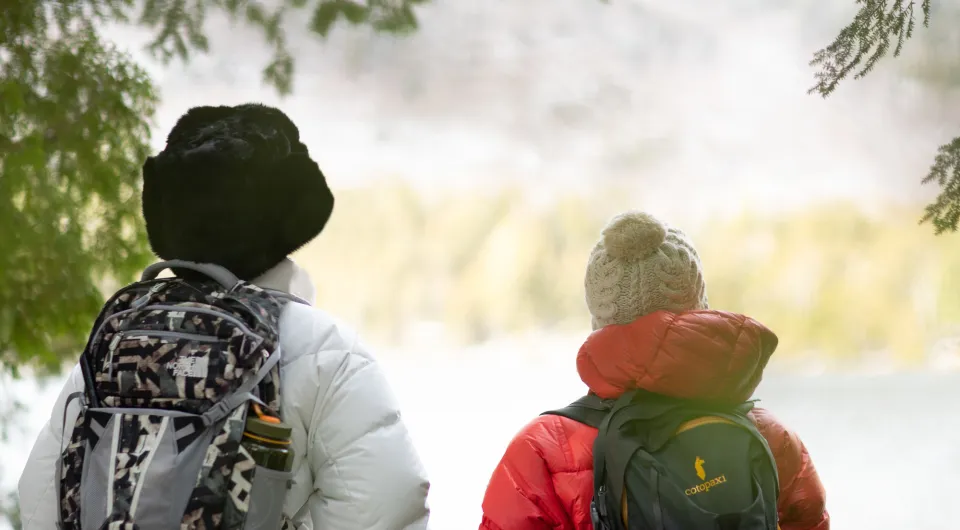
236 187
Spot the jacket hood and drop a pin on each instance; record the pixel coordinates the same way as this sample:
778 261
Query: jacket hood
708 355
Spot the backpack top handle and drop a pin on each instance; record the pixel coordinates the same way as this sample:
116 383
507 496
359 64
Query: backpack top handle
215 272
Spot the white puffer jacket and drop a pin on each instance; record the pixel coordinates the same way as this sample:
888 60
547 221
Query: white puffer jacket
356 467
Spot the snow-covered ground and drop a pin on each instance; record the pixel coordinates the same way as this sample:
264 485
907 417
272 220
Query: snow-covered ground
885 446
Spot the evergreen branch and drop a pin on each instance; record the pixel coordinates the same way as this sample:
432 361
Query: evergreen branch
179 25
9 145
878 25
944 213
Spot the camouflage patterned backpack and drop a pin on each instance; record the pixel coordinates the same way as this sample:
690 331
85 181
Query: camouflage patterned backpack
169 370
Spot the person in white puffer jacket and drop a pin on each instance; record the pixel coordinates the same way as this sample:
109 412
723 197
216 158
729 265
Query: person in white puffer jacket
236 187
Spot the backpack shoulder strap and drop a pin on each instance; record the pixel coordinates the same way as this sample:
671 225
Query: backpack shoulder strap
285 297
589 410
741 420
215 272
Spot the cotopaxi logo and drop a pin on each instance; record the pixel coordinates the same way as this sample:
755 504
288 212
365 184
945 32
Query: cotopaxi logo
702 474
700 488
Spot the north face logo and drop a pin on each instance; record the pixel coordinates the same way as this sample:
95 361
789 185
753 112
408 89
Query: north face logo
189 367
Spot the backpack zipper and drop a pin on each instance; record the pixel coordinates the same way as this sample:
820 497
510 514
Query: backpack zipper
203 311
149 334
114 342
188 309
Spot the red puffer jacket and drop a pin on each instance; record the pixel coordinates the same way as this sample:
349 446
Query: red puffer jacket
545 479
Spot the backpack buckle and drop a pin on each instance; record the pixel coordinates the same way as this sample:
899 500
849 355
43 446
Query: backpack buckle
598 509
594 516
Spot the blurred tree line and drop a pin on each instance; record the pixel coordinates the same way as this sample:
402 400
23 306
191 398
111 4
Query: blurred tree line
832 281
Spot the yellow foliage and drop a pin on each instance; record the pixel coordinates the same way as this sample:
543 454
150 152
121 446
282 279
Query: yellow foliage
831 280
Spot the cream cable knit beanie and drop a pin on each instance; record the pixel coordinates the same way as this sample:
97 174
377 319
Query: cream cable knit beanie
639 266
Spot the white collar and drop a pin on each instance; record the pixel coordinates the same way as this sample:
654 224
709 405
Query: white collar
289 278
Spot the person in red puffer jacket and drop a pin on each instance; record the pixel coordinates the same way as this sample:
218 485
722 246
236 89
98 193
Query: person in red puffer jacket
652 330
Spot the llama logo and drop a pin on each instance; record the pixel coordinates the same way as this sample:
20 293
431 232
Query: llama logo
704 486
698 465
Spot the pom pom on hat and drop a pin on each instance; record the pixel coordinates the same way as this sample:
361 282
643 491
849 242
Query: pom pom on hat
633 235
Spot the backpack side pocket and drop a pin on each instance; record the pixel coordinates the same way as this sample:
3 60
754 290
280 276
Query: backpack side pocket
267 496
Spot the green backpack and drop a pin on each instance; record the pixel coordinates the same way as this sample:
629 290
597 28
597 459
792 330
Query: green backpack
661 463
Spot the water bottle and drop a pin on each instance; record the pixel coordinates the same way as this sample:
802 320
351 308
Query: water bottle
268 440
